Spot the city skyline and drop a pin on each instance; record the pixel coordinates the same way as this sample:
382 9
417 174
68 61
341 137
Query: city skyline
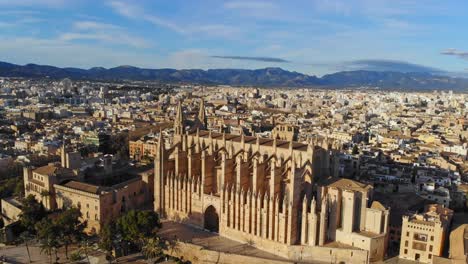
312 37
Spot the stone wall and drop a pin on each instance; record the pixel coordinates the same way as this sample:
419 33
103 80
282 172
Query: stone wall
296 254
197 254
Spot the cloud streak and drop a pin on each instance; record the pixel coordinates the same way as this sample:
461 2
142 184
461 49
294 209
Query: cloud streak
256 5
31 3
135 12
387 65
456 53
261 59
102 32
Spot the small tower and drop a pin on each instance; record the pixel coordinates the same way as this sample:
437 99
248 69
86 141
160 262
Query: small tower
63 155
159 174
202 115
179 128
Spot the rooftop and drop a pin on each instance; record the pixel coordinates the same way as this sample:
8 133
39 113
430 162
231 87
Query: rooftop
81 186
347 184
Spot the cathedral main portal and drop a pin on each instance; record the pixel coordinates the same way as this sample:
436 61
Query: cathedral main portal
211 219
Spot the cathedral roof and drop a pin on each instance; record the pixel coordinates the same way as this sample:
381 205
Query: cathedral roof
347 184
252 140
378 206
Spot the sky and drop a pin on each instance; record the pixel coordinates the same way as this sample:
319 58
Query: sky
310 36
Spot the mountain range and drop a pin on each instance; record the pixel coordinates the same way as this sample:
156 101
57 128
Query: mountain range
274 77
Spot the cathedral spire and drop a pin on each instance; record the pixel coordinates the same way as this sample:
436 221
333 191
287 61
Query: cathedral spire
202 115
257 143
179 121
160 143
242 140
63 154
275 145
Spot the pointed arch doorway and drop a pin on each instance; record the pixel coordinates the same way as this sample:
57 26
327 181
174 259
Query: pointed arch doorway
211 219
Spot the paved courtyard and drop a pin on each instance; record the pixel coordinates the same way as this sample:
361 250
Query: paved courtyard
212 241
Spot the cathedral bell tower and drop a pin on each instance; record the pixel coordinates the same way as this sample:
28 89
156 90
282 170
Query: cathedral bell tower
179 127
160 161
202 116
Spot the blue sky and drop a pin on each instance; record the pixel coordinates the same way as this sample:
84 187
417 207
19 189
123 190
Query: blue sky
309 36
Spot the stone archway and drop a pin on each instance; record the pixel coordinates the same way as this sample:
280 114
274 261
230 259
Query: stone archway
211 219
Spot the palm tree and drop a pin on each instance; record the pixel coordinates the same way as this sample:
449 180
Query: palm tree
49 236
172 245
45 195
25 237
152 248
47 248
85 248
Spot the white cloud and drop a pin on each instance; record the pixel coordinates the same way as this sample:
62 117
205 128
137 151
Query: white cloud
17 22
102 32
457 53
250 5
31 3
217 30
335 6
106 38
135 12
93 25
164 23
380 8
6 25
69 54
187 59
125 9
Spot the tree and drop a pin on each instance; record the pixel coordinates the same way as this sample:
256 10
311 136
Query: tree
106 240
49 235
32 213
173 245
45 197
119 145
70 226
8 186
134 226
355 150
19 188
85 248
25 237
152 248
413 175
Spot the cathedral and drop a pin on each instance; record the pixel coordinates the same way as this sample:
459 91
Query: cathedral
264 192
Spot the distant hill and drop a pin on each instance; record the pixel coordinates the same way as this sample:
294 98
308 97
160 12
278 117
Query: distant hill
261 77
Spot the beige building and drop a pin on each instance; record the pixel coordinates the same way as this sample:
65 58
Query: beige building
140 149
260 191
11 209
459 245
423 236
351 217
40 182
285 132
98 204
59 186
